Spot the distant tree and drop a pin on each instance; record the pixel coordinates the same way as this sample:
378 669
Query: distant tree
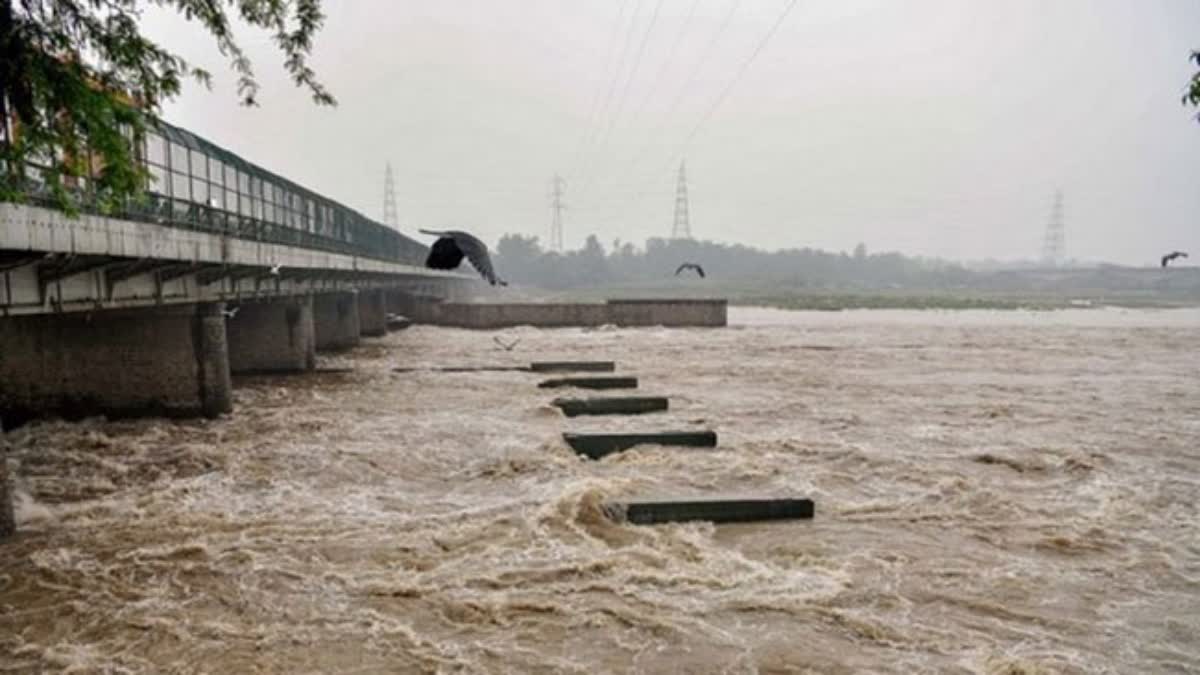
519 256
592 267
78 80
523 261
1192 96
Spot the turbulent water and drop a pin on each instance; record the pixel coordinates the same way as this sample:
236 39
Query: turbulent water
995 492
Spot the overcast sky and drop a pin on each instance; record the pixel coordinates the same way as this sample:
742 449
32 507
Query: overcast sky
933 127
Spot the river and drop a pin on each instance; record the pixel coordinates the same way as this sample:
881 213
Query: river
996 492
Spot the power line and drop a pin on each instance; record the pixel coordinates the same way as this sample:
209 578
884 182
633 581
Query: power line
742 71
609 50
708 51
612 85
667 62
637 63
736 79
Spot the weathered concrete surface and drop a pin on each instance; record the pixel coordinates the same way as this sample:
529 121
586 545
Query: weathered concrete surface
272 336
162 361
711 313
335 319
372 313
629 313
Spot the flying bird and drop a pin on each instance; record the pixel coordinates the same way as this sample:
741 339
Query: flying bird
508 347
690 266
1171 256
450 248
275 269
231 312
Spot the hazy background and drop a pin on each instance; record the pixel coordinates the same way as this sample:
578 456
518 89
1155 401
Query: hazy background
931 127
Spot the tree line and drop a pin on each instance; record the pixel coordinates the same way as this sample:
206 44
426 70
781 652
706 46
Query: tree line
523 261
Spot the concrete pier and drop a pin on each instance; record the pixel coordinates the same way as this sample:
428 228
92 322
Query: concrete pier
169 360
275 336
335 319
372 312
409 303
705 313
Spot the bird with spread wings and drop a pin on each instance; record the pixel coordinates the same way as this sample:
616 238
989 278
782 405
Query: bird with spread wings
452 246
1171 256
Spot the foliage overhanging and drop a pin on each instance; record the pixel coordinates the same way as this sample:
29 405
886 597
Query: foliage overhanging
79 82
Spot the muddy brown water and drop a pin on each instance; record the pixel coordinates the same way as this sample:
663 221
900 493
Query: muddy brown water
996 493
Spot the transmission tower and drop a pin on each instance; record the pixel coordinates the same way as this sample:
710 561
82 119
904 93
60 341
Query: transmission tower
390 215
681 228
556 206
1054 246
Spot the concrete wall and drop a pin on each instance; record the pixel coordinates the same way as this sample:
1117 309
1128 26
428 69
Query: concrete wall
550 315
335 320
665 312
272 336
702 313
155 361
372 313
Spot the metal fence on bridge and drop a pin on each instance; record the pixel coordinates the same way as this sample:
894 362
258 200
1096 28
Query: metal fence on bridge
198 185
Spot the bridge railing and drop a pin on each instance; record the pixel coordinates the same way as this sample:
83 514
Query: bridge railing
195 184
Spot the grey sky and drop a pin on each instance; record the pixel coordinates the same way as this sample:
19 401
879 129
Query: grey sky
926 126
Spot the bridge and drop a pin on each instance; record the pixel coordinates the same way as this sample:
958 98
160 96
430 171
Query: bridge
222 267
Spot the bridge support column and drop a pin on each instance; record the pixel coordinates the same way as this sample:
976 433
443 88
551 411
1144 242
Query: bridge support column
335 317
372 312
273 336
417 307
398 302
154 361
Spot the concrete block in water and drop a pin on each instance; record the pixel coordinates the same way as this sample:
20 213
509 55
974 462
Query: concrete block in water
465 369
591 382
716 511
618 405
294 373
568 366
596 446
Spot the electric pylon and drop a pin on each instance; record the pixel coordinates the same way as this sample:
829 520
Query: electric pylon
390 216
681 228
1054 246
556 205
